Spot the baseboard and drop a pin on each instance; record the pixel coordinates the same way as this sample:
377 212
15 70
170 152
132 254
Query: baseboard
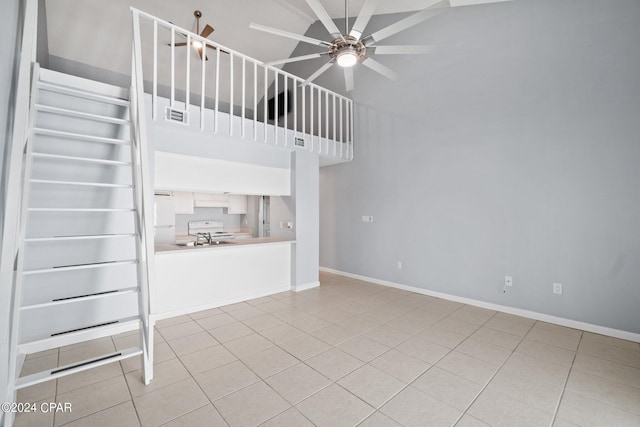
305 287
589 327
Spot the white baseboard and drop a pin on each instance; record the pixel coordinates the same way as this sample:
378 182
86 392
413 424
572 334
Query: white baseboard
305 286
597 329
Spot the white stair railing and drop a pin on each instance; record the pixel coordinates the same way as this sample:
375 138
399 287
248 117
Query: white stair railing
142 181
12 208
241 93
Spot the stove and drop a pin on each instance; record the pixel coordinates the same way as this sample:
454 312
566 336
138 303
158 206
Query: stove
215 228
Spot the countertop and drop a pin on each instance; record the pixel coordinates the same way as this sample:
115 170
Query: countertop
234 243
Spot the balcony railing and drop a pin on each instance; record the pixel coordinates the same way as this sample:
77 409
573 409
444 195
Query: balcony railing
215 89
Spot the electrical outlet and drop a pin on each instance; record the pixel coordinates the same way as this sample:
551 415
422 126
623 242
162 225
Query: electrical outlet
399 265
557 288
508 281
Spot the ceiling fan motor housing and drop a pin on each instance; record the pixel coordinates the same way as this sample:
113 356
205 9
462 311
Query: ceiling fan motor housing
347 46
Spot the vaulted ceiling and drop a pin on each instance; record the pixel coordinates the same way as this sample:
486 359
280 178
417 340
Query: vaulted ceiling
98 33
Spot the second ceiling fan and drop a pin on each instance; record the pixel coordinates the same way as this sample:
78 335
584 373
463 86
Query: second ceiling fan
350 48
206 32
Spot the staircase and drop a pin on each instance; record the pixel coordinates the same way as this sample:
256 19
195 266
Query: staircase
81 271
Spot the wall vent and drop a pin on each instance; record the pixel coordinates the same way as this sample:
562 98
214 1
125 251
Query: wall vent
175 115
299 142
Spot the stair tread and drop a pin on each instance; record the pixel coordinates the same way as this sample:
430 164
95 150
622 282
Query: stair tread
79 366
105 329
79 136
80 159
81 298
53 87
80 266
79 237
81 209
80 83
90 184
81 114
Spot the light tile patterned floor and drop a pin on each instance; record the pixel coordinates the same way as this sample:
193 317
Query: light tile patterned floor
351 353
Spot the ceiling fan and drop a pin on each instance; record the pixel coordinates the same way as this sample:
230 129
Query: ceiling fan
206 32
350 48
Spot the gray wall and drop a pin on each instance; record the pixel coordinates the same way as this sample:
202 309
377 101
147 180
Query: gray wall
513 150
9 19
305 173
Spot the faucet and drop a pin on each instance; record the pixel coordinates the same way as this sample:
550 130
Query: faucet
203 236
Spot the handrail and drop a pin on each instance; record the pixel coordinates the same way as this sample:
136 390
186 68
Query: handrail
144 195
326 126
13 220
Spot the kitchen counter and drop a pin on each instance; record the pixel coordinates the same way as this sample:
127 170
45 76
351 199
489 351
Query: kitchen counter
195 278
233 243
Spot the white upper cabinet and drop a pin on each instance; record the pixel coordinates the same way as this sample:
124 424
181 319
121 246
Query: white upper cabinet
184 202
237 204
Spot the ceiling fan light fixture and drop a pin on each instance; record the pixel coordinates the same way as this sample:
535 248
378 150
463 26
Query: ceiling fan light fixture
347 58
197 44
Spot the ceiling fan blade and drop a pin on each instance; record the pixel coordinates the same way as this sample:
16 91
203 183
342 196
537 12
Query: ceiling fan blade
321 70
348 78
283 33
401 50
380 69
297 58
406 23
323 16
177 44
208 29
363 18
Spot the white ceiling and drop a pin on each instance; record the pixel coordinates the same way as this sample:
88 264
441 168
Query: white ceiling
98 33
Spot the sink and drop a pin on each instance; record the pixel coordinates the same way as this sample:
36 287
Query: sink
214 243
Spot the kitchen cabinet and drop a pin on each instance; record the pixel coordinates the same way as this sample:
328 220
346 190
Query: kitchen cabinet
237 204
210 200
164 219
183 202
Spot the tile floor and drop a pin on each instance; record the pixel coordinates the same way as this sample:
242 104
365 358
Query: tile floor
351 353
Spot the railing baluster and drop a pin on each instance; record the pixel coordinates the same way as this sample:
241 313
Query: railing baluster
265 119
334 125
276 110
244 78
286 110
154 96
202 84
294 87
341 120
231 94
173 67
255 101
319 120
311 116
216 119
304 110
326 119
188 76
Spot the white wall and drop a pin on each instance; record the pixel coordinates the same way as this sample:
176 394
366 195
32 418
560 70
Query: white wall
513 150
